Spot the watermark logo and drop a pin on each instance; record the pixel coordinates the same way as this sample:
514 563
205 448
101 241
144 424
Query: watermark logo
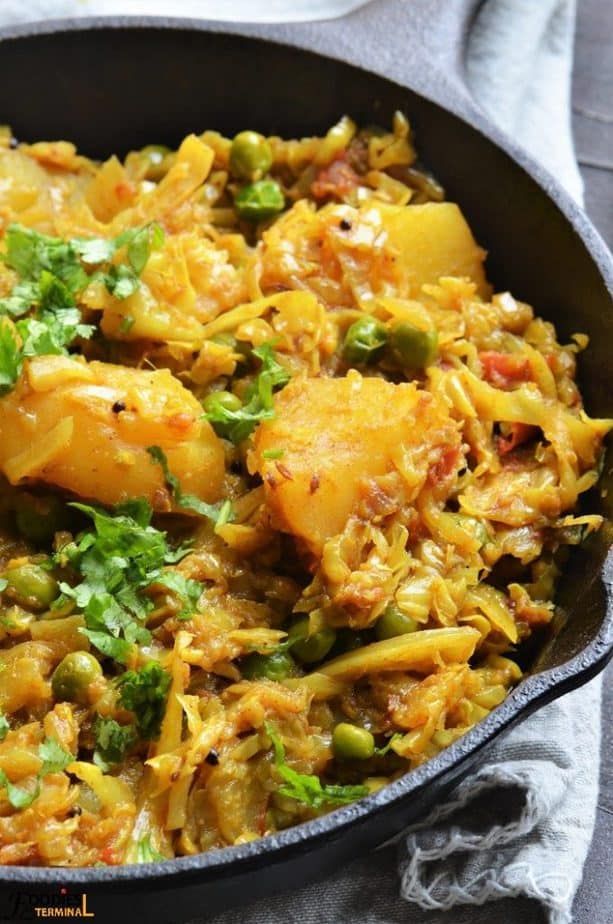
61 905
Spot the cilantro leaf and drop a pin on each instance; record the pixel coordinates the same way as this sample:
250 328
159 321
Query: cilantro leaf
121 281
30 253
51 278
122 556
54 757
4 726
113 741
121 549
272 371
52 332
306 787
218 513
18 797
137 509
144 693
117 648
10 356
238 425
24 295
186 589
94 250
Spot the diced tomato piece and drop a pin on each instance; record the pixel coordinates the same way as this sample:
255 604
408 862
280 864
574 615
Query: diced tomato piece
519 433
505 369
338 179
108 856
445 466
552 361
124 190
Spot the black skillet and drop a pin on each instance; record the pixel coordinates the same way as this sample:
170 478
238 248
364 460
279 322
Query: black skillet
115 84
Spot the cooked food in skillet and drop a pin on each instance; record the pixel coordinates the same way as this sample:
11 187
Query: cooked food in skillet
285 486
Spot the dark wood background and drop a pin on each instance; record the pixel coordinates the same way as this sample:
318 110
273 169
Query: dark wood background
593 129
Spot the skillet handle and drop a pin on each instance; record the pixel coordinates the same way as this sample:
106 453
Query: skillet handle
437 33
417 43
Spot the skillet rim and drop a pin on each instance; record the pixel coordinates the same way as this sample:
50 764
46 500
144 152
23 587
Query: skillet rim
533 692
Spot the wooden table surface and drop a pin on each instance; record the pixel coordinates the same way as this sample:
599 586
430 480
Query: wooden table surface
593 129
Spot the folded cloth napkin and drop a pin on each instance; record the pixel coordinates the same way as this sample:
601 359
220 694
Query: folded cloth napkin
518 829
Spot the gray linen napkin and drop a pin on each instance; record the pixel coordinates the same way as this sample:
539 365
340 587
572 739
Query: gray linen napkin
517 830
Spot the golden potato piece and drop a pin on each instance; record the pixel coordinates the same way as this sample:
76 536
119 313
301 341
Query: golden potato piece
86 428
433 240
336 437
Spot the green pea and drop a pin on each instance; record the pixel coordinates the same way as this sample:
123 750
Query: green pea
250 156
221 400
259 200
39 518
364 341
31 586
413 348
158 160
393 622
275 666
310 648
350 742
73 675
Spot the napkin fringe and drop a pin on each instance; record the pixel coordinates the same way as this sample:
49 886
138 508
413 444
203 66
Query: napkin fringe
487 779
445 891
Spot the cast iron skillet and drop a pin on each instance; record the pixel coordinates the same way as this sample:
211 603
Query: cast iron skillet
112 85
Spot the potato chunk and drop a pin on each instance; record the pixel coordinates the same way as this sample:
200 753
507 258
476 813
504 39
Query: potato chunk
433 240
85 427
337 437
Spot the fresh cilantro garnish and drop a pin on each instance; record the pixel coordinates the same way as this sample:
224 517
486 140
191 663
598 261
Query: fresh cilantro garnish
187 590
237 425
113 741
306 787
117 561
52 276
139 242
121 281
23 296
10 356
19 797
39 259
144 693
146 853
51 332
54 759
31 253
94 250
219 513
4 726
